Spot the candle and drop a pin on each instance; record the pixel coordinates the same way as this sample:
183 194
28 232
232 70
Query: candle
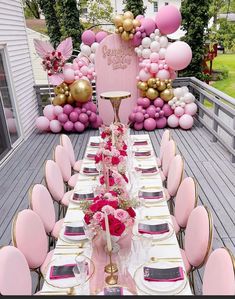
108 237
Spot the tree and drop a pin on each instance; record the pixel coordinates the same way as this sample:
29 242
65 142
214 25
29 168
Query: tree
225 35
97 11
195 18
135 6
31 9
53 27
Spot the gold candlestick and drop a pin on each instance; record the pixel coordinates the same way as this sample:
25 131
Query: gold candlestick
111 268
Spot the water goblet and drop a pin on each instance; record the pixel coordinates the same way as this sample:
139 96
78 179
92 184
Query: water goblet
81 271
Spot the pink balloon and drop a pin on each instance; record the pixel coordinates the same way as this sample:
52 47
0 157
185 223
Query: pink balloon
78 110
190 109
84 70
136 41
100 36
68 126
186 121
132 117
83 118
69 76
179 111
139 117
145 102
158 102
88 37
146 116
68 65
86 106
67 109
154 57
168 19
151 111
11 125
93 107
167 110
79 127
173 75
154 68
150 124
84 110
93 117
97 123
178 55
161 123
138 126
139 109
73 116
148 24
144 76
139 17
88 112
58 110
42 123
173 121
48 112
63 118
163 74
8 112
55 126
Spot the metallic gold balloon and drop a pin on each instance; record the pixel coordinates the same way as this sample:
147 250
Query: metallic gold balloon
66 93
66 88
133 30
125 35
60 99
161 86
131 36
116 30
70 99
168 85
136 23
151 93
151 82
127 24
167 94
143 94
118 20
81 90
143 86
120 29
128 15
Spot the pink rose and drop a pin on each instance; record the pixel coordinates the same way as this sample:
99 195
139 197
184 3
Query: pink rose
98 217
121 215
108 209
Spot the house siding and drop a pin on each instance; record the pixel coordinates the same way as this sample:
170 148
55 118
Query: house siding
13 35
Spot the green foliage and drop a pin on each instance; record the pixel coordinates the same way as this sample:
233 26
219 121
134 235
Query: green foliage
53 27
97 11
31 9
68 18
225 35
135 6
195 17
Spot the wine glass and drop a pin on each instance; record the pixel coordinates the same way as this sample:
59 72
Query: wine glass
81 271
136 244
123 259
146 244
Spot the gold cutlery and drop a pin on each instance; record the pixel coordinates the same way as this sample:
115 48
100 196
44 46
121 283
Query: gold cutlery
154 205
156 217
68 253
70 291
155 243
151 187
170 259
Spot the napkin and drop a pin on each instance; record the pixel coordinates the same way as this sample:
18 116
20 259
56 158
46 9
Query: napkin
74 231
153 229
88 196
90 170
163 275
94 144
147 170
151 194
63 271
91 156
143 154
144 142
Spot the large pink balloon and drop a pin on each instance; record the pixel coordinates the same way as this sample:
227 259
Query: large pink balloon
190 109
63 118
151 111
163 74
168 19
67 109
150 124
42 123
88 37
69 76
79 127
48 112
73 116
68 126
93 117
178 55
132 117
58 110
97 123
144 76
148 24
179 111
167 110
83 118
138 126
186 121
145 102
173 121
158 102
139 117
136 41
100 36
55 126
161 122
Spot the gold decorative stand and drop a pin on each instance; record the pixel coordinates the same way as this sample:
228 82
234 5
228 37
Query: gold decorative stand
111 268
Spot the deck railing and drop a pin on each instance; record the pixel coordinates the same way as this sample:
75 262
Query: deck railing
216 110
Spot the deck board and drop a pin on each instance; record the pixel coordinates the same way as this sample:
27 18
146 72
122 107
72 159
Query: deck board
208 162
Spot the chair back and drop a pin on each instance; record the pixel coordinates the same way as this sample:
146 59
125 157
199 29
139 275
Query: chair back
67 144
185 201
219 274
175 174
15 277
168 155
54 180
198 236
164 140
29 236
61 158
40 202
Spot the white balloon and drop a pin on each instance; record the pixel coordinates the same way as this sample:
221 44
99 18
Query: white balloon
94 47
86 50
178 92
139 53
157 32
92 57
152 36
189 98
185 89
157 38
181 99
162 53
155 46
163 41
177 103
136 49
182 105
146 53
170 102
141 47
146 42
173 106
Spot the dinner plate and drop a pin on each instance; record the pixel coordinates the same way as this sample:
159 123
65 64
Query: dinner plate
72 238
92 173
155 287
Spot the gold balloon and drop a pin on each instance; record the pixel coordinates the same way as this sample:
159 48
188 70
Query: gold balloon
133 30
118 20
116 30
127 24
168 85
125 35
60 99
136 23
143 86
143 94
66 93
131 35
161 86
152 93
120 29
151 82
70 99
81 90
167 94
128 15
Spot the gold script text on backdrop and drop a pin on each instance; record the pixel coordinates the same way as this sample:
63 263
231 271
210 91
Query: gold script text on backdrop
118 58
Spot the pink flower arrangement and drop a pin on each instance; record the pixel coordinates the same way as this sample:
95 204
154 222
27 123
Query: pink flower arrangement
53 62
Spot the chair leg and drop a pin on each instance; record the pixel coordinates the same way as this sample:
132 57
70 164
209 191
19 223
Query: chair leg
191 280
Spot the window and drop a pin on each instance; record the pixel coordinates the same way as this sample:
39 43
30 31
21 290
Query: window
155 6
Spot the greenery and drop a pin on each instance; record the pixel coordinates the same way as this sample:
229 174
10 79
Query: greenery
97 11
195 17
31 9
68 18
135 6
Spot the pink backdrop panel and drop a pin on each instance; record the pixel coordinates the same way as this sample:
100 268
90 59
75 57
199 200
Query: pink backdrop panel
116 66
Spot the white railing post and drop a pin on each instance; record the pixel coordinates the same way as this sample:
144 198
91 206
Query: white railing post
215 123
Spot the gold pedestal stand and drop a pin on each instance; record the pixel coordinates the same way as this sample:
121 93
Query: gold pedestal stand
111 268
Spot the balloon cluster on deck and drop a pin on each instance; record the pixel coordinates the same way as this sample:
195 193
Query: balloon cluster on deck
159 60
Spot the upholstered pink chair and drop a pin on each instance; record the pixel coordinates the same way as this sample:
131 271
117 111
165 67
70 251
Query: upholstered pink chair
40 201
219 274
61 158
198 240
29 236
168 155
15 277
55 184
164 140
67 144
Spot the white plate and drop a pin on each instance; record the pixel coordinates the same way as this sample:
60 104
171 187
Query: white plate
72 238
154 287
89 166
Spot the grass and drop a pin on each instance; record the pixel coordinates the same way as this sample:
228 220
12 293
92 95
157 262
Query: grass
225 61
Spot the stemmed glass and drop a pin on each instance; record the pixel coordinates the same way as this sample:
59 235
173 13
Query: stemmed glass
123 259
89 233
81 271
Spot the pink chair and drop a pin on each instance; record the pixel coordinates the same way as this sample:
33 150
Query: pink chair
29 236
40 201
219 274
15 277
55 184
66 143
168 155
198 240
62 160
164 140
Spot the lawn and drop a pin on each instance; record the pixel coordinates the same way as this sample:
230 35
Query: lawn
225 61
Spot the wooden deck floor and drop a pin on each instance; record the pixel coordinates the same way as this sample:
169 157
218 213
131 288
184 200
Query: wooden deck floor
206 161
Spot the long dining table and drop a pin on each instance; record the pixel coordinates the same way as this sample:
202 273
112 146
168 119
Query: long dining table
164 250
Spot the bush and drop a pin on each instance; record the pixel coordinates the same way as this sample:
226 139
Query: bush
218 75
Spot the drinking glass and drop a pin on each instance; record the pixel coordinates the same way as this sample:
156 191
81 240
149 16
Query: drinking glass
146 244
136 245
81 271
123 259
